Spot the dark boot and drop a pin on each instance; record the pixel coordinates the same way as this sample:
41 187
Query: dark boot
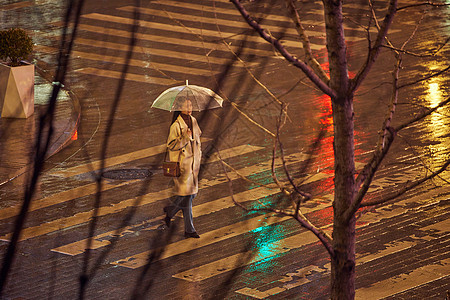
191 235
166 218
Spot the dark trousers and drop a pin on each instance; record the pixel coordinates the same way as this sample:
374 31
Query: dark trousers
185 204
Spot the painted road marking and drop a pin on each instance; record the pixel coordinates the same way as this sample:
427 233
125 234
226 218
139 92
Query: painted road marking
208 238
60 197
149 198
298 277
86 216
143 153
174 41
157 52
404 282
220 234
101 240
291 278
128 76
144 64
237 261
233 12
79 247
178 28
242 259
225 22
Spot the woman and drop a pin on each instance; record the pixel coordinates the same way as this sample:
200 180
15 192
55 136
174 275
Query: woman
184 146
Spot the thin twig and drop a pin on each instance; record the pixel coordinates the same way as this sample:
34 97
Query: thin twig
423 4
309 72
408 186
422 115
310 60
425 78
375 50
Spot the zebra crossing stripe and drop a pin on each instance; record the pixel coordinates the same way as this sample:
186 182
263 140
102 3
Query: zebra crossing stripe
224 22
404 282
146 65
187 30
84 217
151 52
233 12
108 162
214 236
174 41
285 245
60 197
143 153
241 259
388 287
102 240
208 238
128 76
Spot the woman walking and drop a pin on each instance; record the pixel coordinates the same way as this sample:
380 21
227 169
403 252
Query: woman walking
184 146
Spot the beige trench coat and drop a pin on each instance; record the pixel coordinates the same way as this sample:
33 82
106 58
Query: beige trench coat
187 150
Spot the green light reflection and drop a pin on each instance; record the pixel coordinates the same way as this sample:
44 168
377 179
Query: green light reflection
267 245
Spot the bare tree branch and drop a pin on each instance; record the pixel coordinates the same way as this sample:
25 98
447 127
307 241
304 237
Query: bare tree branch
375 50
289 57
367 174
251 74
42 141
425 78
370 169
386 137
408 186
319 233
422 115
86 275
423 4
407 52
309 58
422 161
281 121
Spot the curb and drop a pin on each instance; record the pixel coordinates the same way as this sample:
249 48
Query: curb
62 137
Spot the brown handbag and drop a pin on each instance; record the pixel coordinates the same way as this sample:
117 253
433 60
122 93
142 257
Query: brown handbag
171 168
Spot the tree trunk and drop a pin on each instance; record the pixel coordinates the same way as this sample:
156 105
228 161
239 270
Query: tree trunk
343 261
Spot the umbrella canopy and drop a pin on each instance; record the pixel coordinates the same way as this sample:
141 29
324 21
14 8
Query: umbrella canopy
173 98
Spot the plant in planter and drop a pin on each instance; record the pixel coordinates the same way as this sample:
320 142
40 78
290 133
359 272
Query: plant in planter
15 45
16 75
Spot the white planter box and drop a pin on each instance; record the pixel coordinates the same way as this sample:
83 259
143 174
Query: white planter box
17 91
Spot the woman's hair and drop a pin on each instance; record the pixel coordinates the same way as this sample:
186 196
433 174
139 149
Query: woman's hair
175 115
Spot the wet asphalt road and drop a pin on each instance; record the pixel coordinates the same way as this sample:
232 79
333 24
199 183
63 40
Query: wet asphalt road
402 247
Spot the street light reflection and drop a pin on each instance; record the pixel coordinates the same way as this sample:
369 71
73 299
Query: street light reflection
437 123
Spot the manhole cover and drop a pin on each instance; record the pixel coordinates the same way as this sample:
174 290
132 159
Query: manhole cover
127 174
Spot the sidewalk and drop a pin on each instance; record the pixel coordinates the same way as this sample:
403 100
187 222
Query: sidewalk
17 136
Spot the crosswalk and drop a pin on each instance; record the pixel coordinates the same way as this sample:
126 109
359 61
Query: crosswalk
378 290
229 263
202 34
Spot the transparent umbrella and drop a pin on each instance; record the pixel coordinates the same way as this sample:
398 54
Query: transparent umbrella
173 98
